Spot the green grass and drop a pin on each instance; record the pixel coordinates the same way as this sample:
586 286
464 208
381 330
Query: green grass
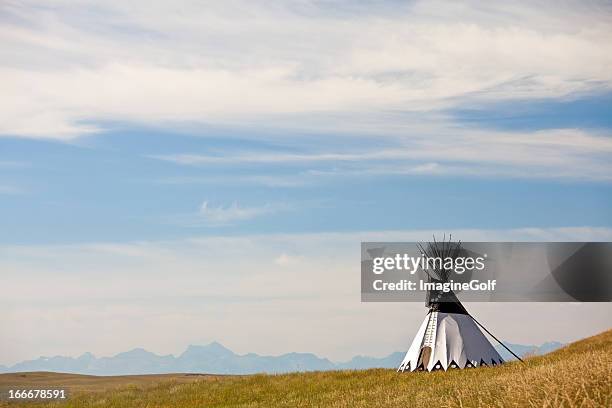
579 375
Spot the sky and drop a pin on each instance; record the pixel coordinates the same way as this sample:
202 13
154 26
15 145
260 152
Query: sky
173 173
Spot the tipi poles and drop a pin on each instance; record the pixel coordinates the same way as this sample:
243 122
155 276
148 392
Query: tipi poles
496 339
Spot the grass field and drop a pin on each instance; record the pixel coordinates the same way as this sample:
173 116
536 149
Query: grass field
579 375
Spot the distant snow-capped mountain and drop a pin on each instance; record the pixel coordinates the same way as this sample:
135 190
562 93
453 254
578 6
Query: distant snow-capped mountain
214 358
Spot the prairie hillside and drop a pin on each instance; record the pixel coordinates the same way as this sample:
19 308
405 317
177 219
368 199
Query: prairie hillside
579 375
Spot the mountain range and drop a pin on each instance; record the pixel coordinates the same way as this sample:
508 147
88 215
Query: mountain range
214 358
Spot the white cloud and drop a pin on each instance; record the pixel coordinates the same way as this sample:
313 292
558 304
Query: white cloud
557 153
13 164
287 260
71 65
226 215
10 190
267 180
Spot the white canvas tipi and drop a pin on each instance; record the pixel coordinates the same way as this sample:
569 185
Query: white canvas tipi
448 337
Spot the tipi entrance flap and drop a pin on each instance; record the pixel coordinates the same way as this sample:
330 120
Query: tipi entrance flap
425 356
411 358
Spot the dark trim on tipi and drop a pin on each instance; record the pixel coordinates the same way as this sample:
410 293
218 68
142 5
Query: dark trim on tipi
437 366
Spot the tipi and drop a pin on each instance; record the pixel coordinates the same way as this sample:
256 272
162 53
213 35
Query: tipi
448 337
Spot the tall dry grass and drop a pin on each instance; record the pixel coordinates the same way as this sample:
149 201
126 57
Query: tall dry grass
576 376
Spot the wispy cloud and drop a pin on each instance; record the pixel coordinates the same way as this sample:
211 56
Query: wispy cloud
193 63
13 164
220 215
288 260
557 153
10 190
267 180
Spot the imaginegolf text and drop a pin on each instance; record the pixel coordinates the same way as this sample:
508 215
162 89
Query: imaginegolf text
406 285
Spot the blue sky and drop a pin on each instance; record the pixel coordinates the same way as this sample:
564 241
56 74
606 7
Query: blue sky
145 141
114 185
